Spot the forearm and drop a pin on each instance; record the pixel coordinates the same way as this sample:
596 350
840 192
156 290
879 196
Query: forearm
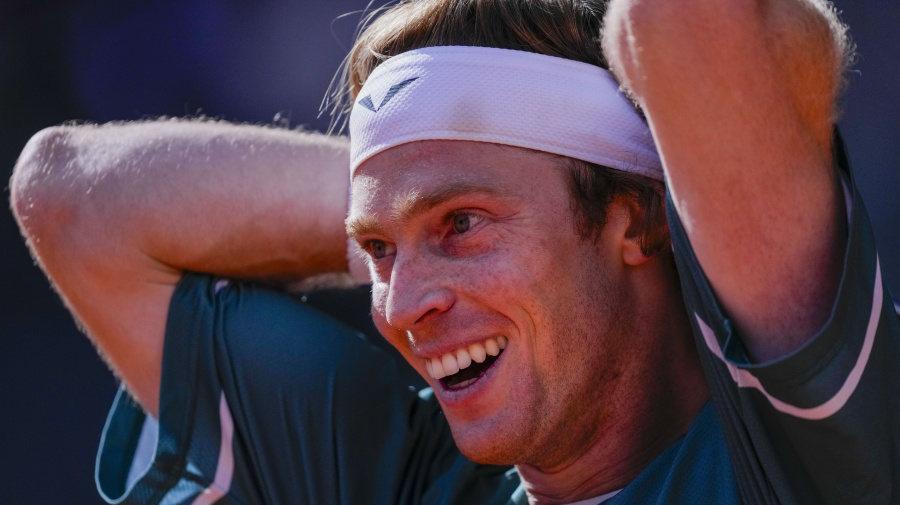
214 197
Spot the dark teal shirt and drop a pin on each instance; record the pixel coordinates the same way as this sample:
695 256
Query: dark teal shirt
266 401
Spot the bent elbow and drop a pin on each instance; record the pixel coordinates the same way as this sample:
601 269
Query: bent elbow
638 33
37 188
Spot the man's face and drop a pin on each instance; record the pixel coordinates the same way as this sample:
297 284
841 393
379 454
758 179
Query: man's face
473 245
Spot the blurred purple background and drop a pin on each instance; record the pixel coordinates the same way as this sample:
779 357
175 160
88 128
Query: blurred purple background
242 61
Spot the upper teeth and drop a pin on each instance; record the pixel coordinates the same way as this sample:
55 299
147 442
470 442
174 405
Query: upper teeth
454 361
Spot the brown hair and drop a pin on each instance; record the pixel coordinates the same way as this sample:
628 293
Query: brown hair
564 28
594 187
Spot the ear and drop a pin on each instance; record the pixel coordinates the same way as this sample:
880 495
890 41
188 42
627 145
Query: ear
634 216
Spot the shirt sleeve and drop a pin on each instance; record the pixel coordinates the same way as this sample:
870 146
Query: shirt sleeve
819 425
267 401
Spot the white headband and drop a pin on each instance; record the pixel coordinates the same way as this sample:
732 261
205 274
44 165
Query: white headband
502 96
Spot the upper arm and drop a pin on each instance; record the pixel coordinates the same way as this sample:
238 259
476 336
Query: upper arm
739 96
118 295
816 424
114 214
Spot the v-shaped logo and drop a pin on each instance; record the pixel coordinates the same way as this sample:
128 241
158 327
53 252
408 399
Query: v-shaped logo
366 101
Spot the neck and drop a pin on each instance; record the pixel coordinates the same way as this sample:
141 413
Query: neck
663 392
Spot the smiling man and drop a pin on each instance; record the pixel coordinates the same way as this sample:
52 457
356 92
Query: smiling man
540 343
734 344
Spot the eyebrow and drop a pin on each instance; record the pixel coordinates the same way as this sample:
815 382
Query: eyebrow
415 203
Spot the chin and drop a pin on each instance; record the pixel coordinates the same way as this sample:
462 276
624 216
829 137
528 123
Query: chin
488 446
487 455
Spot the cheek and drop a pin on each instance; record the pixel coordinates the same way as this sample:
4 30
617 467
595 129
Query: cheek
379 304
397 339
394 336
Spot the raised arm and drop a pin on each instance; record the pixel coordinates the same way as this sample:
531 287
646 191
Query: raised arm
740 98
114 213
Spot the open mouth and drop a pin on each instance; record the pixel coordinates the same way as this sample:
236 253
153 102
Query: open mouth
465 377
460 368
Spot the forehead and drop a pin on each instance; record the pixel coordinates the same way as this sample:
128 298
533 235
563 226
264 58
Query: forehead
436 166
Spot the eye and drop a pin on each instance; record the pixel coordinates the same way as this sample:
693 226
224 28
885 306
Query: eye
378 248
462 222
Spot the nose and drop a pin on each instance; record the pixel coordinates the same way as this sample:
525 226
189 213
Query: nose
416 291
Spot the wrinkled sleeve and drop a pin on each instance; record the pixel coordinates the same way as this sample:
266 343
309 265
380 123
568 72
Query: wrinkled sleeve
822 424
264 400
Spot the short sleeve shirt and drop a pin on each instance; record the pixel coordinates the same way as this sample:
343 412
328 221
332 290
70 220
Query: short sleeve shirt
822 424
266 401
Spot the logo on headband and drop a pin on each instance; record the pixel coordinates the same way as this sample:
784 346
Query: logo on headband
366 101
